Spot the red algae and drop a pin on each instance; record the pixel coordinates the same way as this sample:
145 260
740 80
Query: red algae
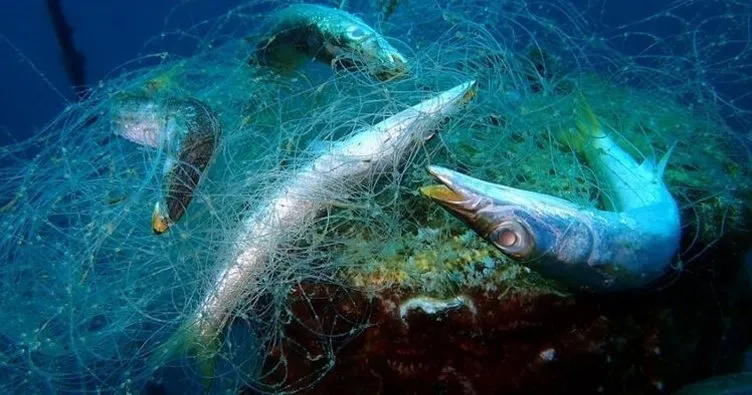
519 342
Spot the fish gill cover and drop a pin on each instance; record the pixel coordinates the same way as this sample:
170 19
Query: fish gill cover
104 287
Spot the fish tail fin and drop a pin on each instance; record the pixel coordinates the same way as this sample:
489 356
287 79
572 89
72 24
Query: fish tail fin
190 345
160 220
587 127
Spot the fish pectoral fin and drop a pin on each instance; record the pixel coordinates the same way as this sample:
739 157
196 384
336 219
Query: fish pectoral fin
147 138
319 147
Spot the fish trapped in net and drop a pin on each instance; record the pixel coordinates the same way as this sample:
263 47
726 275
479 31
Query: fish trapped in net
588 249
307 31
293 205
185 131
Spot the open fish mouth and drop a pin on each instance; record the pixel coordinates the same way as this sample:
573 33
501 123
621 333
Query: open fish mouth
396 67
383 66
455 189
380 59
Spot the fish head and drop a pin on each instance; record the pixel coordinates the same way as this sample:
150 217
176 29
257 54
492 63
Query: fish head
357 45
521 224
590 250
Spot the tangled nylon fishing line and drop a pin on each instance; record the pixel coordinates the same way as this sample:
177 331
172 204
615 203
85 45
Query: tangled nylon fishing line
107 295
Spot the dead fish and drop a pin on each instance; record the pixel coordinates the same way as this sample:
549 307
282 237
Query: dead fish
308 31
626 248
187 131
296 201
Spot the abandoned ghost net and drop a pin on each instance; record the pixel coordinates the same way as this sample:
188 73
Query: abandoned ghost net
118 217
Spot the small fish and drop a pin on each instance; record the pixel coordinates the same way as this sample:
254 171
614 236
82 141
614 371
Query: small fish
304 31
589 249
296 201
187 130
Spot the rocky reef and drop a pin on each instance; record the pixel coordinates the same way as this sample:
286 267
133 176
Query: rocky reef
438 310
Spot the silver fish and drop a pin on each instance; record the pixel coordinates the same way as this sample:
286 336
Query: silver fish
585 248
299 199
187 131
308 31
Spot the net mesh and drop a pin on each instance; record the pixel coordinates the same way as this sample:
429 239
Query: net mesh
89 293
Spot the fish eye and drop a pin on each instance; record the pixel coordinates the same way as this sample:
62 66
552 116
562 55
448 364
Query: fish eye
355 33
513 239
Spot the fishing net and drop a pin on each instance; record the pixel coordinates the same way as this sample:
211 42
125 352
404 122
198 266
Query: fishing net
90 293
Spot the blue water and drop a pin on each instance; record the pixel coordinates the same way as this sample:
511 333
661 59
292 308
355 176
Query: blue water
34 87
114 32
109 34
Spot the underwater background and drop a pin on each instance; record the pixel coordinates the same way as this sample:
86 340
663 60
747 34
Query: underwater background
386 292
113 33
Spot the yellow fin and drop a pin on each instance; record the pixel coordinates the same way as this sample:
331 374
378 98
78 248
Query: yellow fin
189 344
587 126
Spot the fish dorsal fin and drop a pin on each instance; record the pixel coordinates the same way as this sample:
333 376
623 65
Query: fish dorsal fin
661 168
648 165
318 147
656 170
